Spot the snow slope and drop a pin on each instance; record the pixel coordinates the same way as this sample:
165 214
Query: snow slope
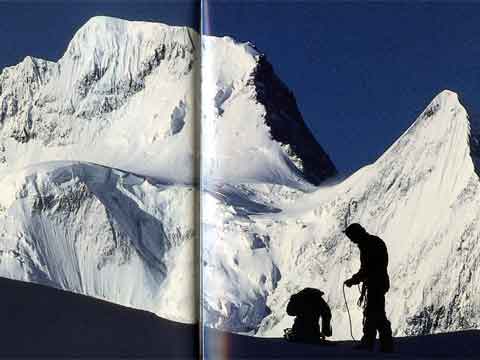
41 322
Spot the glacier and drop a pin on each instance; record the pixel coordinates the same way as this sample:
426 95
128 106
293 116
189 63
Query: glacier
100 168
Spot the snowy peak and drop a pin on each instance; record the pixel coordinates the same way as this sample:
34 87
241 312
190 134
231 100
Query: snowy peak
103 31
444 116
272 142
19 83
218 54
128 43
119 82
443 119
31 70
109 56
438 144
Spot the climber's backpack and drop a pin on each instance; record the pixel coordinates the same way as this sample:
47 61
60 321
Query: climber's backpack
308 306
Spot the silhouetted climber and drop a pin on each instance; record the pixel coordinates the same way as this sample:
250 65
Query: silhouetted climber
308 306
374 276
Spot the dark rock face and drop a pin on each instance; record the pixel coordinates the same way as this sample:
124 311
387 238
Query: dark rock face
287 125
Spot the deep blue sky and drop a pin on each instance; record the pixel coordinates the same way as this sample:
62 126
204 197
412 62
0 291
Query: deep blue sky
361 72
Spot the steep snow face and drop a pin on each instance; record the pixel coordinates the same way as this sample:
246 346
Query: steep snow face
100 232
421 197
245 104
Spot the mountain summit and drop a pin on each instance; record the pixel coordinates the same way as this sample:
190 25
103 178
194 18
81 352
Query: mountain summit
252 128
441 142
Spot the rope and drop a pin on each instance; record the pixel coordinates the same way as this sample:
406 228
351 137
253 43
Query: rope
348 312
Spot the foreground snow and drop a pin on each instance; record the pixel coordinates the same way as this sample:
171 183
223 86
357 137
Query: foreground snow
41 322
38 321
221 345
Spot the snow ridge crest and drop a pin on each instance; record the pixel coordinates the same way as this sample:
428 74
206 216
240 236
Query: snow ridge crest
443 128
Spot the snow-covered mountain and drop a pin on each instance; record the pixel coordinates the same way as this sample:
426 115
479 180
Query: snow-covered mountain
122 95
421 197
99 153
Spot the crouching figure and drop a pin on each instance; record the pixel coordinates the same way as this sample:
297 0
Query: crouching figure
308 306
